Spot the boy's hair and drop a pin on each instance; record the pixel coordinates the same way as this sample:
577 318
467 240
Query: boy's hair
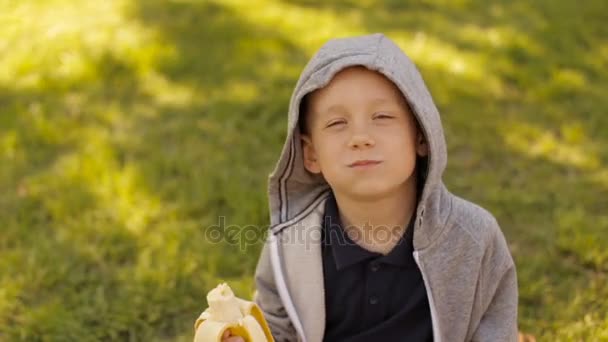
303 111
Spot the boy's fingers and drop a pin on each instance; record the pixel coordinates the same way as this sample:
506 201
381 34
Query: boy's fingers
234 339
226 334
227 337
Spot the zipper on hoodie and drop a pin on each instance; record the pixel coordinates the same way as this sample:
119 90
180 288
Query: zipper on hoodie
429 294
281 284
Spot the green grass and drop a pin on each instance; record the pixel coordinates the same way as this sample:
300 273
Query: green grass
128 127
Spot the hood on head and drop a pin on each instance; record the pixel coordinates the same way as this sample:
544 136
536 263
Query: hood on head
293 191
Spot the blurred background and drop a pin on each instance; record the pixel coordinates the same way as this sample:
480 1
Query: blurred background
127 128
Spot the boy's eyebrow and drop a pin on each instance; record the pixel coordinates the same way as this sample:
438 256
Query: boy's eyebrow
399 101
340 109
336 108
381 100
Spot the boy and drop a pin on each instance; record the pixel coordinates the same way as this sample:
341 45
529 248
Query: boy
366 242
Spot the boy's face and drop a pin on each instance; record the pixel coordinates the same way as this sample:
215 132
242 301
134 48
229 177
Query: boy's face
361 135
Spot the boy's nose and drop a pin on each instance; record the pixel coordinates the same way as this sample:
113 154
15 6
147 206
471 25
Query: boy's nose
361 140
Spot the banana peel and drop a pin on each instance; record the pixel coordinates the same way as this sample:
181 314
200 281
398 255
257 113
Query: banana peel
226 311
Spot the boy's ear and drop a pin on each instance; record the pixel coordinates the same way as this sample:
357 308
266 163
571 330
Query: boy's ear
422 148
310 157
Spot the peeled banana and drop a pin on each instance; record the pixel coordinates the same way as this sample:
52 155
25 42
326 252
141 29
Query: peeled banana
226 311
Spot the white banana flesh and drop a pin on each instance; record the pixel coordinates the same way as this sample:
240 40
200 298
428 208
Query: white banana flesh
226 311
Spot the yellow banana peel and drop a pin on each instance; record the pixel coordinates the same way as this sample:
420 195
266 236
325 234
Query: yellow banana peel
226 311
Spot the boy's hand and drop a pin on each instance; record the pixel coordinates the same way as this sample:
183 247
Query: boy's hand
227 337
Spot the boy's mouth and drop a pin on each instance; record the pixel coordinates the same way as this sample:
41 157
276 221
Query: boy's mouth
366 162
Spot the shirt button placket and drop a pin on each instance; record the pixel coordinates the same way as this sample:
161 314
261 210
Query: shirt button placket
374 285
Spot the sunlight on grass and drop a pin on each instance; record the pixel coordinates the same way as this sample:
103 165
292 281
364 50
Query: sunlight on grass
116 188
591 327
166 92
563 83
238 90
79 243
570 148
72 39
601 177
66 40
580 237
430 52
309 28
10 144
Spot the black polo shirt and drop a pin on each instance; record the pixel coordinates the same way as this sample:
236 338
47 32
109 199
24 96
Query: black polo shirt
370 296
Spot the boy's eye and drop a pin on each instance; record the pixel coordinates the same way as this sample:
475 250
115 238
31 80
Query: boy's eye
383 116
335 123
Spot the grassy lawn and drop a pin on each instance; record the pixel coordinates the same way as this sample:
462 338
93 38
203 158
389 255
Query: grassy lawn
128 127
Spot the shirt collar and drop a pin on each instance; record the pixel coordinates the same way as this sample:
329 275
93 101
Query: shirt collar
346 252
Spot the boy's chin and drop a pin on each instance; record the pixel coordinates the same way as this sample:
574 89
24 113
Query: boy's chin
369 192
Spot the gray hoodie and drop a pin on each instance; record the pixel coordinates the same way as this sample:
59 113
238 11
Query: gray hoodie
465 262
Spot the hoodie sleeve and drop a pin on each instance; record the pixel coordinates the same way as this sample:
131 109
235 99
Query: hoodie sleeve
499 320
267 298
